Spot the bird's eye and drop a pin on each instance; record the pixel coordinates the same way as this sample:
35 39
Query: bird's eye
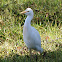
27 11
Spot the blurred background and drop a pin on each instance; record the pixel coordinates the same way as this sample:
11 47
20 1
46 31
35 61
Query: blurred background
47 20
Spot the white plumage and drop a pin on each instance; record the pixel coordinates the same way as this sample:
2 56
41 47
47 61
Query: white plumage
30 34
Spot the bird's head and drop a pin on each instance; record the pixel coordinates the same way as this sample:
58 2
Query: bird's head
28 11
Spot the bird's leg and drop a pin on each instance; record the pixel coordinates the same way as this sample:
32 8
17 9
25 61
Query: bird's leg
30 51
30 54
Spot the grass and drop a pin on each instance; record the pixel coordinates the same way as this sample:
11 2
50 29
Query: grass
47 20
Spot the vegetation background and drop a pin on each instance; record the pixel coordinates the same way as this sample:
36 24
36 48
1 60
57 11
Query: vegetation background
47 20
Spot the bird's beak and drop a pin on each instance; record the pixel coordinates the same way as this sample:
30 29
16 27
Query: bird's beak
23 12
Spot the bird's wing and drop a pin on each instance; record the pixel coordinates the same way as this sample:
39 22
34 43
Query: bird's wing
36 36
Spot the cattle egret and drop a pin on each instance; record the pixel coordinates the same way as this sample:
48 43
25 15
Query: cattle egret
30 34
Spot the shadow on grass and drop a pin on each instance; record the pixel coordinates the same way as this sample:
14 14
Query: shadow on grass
55 56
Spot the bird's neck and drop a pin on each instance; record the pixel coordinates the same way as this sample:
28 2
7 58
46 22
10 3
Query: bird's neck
28 21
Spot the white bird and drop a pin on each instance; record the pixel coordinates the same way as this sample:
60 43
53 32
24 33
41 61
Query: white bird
30 34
